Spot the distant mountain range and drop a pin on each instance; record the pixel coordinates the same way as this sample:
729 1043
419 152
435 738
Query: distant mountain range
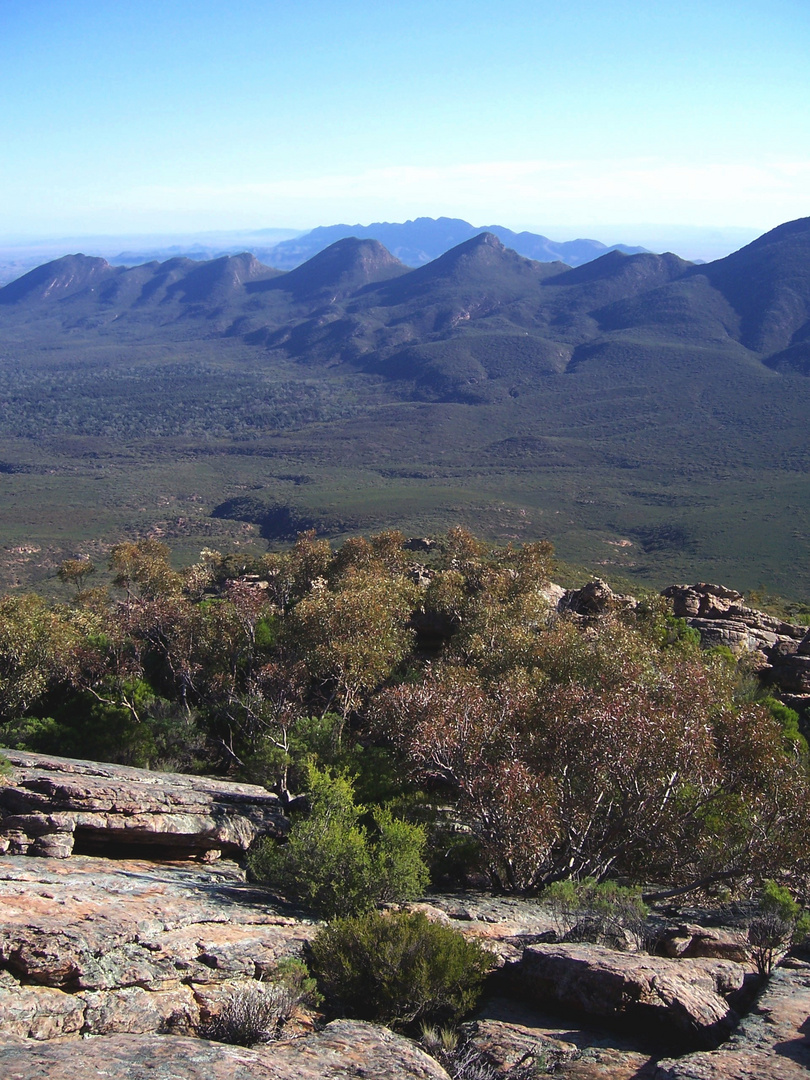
638 401
417 242
356 302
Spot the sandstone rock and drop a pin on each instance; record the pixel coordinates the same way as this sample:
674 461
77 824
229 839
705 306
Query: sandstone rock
342 1050
51 804
595 598
769 1043
685 994
38 1012
792 673
688 941
95 946
733 633
779 651
507 1046
705 600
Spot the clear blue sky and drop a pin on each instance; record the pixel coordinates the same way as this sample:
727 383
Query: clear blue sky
131 116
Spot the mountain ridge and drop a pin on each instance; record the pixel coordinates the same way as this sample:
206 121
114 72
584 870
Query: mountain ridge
645 413
418 241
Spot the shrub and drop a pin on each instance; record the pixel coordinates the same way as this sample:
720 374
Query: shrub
257 1012
397 968
331 864
251 1014
780 921
604 913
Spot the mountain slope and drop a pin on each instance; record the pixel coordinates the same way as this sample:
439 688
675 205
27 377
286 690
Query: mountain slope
340 270
59 279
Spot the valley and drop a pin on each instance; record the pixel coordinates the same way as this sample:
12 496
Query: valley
645 414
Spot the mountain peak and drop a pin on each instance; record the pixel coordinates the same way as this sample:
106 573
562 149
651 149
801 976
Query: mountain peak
57 279
343 268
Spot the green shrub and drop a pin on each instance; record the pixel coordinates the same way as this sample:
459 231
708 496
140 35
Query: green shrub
606 913
779 923
788 720
332 865
398 967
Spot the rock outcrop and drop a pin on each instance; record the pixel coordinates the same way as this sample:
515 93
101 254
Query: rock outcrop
344 1049
686 995
771 1042
94 947
52 806
779 650
594 599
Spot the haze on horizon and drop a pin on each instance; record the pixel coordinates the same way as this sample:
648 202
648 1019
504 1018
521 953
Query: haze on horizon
632 123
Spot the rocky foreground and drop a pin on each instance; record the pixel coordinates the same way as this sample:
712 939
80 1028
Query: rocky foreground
108 967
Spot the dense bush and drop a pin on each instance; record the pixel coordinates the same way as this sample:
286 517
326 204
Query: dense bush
543 746
397 968
333 864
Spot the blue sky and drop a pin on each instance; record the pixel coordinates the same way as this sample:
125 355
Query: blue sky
145 116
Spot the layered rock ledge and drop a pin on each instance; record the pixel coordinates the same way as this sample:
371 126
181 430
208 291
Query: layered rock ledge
343 1049
688 996
52 806
771 1042
96 947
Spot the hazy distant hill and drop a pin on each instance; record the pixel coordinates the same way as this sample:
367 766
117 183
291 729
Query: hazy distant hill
648 414
417 242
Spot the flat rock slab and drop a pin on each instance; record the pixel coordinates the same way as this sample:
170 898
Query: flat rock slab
685 995
771 1043
94 946
343 1049
50 804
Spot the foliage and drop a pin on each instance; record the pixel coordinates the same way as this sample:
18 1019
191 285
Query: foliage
605 913
779 922
788 720
398 967
333 864
606 755
436 685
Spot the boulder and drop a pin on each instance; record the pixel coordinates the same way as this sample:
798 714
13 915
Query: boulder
343 1049
51 806
686 995
508 1046
769 1043
687 940
594 599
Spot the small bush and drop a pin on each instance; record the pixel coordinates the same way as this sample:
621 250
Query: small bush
606 914
257 1012
768 934
397 968
780 923
252 1014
